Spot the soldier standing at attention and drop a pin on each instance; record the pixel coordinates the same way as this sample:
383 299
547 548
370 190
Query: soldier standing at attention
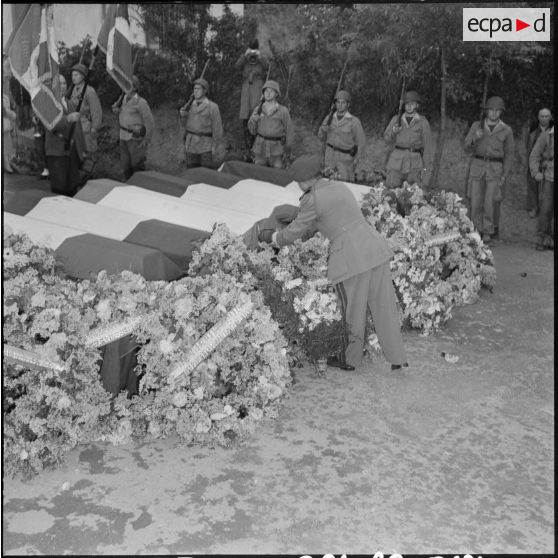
413 154
91 114
345 139
204 129
136 129
492 145
254 67
271 124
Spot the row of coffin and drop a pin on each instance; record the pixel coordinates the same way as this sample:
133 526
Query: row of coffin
148 225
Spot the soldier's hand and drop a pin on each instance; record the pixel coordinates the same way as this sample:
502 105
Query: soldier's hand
396 128
115 110
144 144
73 117
183 112
539 176
479 133
93 132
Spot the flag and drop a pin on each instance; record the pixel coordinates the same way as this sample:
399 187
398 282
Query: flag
34 61
115 41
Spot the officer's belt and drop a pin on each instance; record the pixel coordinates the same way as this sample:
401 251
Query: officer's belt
347 151
411 149
271 138
348 227
204 134
490 159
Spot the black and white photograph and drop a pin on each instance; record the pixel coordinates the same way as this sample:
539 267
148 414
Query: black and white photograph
278 279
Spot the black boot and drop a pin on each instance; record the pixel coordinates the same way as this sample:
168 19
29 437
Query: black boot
339 362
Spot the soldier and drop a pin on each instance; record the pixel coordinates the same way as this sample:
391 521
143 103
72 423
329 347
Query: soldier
492 145
136 129
544 122
345 139
358 263
271 124
91 115
204 129
412 156
541 164
253 66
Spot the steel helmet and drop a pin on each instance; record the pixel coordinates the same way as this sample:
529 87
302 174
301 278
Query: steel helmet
203 83
411 97
272 85
81 68
495 103
343 96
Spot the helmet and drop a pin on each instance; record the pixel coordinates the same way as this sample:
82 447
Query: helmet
411 97
272 85
343 96
495 103
203 83
81 68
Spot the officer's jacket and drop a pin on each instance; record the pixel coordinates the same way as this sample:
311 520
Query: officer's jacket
203 119
344 133
493 153
331 208
542 155
276 124
91 111
133 113
412 137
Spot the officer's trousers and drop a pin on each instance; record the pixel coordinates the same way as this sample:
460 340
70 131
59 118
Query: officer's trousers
483 190
372 290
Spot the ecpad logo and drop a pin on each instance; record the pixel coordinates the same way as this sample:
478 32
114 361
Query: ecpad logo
506 24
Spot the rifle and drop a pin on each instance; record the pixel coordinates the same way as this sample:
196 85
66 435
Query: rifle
82 94
188 104
339 83
401 103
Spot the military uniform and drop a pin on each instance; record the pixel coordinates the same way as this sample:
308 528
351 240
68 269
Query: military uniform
542 157
492 159
204 130
413 152
345 142
273 129
136 129
358 266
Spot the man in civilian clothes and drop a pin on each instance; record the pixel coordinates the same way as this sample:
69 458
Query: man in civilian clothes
413 154
345 139
136 129
492 145
204 129
541 163
358 262
544 122
271 124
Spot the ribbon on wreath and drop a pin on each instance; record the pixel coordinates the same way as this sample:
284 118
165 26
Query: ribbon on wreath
107 334
30 359
210 340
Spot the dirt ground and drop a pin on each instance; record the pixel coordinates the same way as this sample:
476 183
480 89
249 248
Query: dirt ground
438 458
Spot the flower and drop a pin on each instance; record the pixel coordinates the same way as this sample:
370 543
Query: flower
179 399
103 309
63 403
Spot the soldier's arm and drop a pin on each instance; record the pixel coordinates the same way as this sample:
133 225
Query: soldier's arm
324 129
389 134
304 222
289 128
428 154
240 62
94 108
535 157
253 122
509 148
216 124
148 120
471 138
360 139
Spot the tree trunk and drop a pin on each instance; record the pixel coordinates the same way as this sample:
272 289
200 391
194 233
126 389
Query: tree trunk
442 134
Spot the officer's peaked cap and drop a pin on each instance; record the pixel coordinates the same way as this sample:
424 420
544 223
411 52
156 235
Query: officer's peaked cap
306 167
